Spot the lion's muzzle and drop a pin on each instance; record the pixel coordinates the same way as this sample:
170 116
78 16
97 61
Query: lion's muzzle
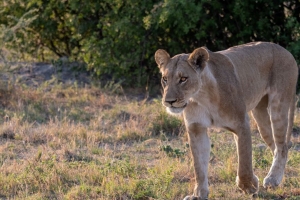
175 107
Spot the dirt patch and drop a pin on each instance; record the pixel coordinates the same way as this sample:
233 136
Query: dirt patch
34 74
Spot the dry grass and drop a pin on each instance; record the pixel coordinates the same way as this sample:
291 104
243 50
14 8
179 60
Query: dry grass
83 142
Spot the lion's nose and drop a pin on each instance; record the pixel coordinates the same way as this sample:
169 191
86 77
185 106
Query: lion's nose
170 101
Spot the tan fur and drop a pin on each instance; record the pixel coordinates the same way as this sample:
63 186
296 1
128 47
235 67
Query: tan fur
218 89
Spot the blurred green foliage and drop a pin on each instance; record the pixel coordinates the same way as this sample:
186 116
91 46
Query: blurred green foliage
117 39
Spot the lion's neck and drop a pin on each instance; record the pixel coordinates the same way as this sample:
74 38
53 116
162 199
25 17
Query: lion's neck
208 92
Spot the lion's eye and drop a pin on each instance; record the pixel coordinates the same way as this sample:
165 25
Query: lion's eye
183 79
164 79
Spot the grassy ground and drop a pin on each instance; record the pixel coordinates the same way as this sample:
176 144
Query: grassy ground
66 141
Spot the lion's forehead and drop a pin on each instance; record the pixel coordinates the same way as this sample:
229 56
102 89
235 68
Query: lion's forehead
178 59
182 56
176 71
177 66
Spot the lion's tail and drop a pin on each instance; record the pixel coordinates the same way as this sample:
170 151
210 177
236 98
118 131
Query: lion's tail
291 121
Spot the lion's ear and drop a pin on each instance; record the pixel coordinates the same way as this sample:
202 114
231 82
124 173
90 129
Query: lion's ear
198 58
161 57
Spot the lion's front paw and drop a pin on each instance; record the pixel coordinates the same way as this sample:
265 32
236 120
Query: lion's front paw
249 186
271 182
194 198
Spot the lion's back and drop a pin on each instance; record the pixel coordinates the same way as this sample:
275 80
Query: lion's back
260 65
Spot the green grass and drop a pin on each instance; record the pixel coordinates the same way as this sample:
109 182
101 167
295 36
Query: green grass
74 142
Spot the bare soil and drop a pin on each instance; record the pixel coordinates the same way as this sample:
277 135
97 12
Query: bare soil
34 74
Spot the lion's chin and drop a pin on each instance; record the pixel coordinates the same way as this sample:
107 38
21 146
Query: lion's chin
176 110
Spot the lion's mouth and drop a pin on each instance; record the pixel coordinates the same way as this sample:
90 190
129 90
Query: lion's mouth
181 106
176 110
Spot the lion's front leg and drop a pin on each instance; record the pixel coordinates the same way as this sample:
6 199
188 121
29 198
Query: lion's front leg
200 147
246 180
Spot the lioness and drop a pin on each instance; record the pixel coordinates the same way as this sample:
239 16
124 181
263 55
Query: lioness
218 89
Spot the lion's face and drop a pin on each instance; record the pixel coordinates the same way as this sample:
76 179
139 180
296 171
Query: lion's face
180 78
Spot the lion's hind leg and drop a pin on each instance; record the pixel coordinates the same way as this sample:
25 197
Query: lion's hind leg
262 118
279 115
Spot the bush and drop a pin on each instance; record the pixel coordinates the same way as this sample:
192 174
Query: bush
117 39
